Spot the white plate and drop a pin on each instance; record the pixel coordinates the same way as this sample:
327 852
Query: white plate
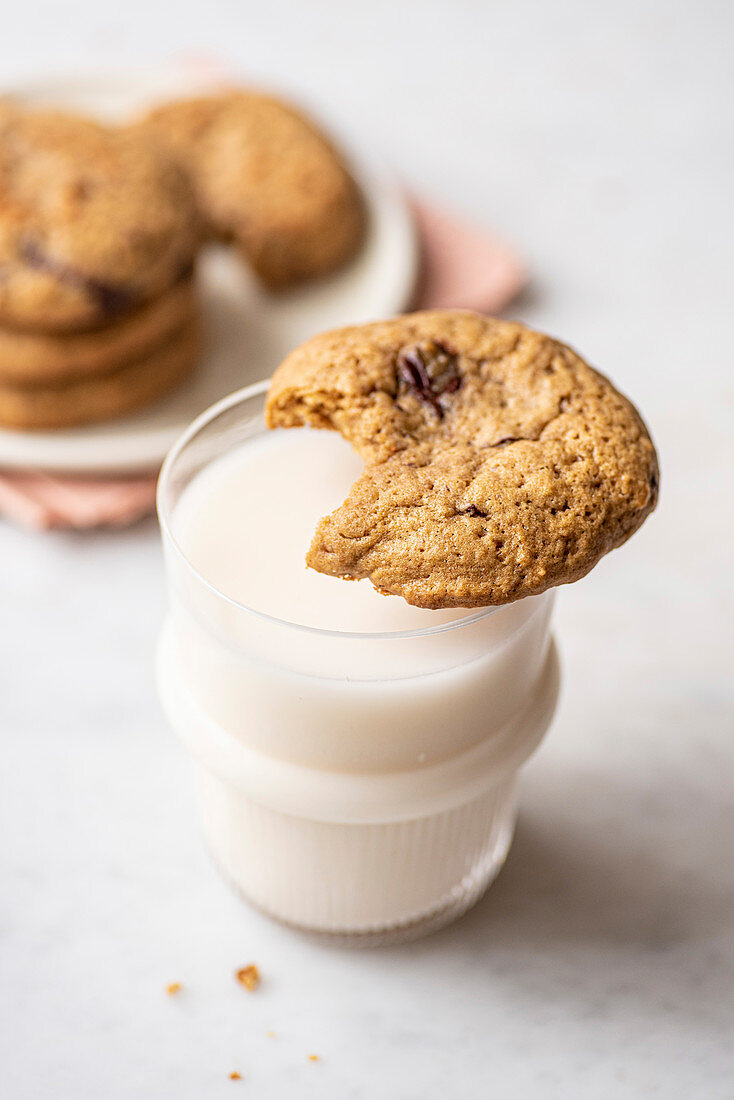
248 332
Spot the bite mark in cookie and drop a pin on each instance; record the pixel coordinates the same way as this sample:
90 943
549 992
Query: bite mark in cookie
498 463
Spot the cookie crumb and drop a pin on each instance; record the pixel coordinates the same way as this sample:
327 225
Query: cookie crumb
249 977
173 988
313 1058
235 1076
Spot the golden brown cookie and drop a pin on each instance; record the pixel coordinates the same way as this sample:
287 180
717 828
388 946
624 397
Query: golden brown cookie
498 464
31 358
93 221
88 400
267 177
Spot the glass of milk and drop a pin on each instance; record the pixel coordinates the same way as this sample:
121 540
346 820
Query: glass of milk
356 756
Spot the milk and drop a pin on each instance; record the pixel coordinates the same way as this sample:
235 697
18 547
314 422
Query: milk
357 756
245 523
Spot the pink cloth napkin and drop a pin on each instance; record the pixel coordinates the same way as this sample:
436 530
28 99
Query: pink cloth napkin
462 266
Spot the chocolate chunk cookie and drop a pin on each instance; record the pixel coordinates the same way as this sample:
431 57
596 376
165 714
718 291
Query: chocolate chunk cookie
268 178
92 399
497 462
33 358
93 221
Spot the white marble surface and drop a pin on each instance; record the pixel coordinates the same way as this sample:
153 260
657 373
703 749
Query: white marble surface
598 137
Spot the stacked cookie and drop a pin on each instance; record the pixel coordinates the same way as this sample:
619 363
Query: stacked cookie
266 178
98 234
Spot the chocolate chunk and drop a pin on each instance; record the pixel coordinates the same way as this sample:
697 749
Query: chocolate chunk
110 299
429 371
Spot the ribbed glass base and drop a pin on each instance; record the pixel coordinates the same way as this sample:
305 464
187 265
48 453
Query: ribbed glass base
367 885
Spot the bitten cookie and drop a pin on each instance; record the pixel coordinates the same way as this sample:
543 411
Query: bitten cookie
498 463
88 400
93 221
268 178
32 358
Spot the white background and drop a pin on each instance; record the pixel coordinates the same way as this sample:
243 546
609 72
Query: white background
597 137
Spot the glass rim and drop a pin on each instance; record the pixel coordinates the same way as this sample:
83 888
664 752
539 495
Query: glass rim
202 421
